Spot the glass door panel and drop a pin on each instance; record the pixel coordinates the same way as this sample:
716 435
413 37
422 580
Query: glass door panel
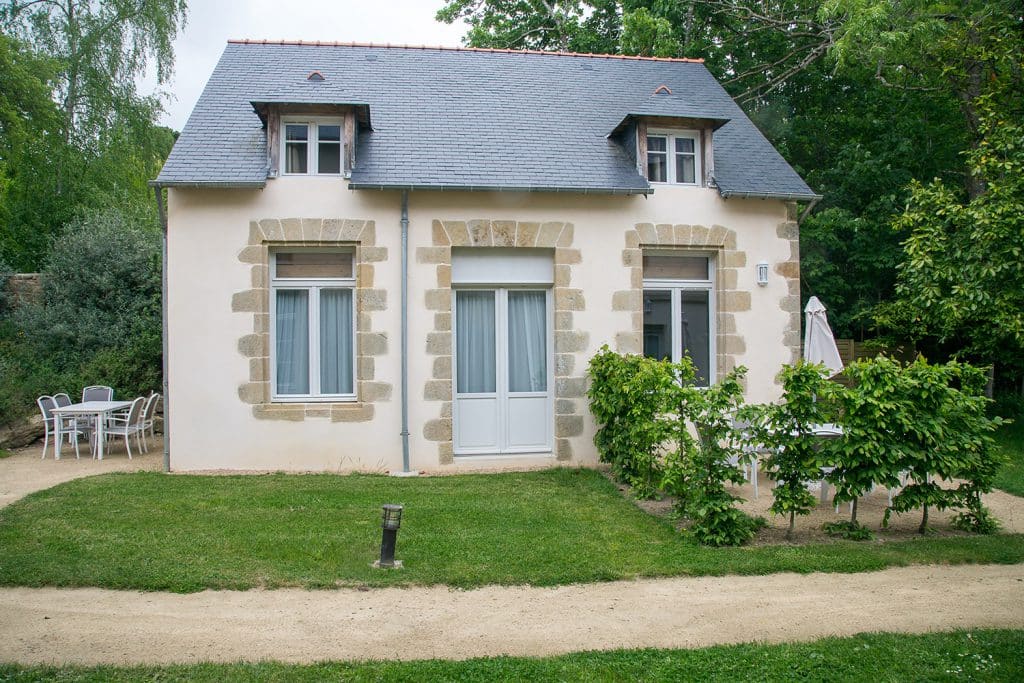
475 351
527 341
695 319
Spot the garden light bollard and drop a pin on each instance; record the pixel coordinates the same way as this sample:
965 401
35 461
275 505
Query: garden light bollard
391 521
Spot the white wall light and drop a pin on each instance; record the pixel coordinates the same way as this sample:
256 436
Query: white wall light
762 273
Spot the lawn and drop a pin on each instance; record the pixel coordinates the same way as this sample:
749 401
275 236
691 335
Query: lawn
152 531
971 655
1011 441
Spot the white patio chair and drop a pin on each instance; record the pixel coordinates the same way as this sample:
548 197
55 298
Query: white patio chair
150 414
56 427
97 393
149 418
750 451
128 425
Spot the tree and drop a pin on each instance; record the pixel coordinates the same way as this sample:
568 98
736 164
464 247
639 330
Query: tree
567 25
970 49
962 275
99 144
786 430
873 416
101 48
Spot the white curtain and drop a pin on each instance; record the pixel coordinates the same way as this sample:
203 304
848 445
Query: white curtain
336 341
474 323
292 336
527 341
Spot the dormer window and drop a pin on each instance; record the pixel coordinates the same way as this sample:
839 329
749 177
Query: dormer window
312 147
673 157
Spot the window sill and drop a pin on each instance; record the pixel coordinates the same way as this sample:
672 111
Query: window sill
294 411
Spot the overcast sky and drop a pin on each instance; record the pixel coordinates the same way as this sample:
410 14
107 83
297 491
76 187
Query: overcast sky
212 22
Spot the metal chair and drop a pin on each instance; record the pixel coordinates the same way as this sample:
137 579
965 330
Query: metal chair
56 426
149 419
128 425
97 393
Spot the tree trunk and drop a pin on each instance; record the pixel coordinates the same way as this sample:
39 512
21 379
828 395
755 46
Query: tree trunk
792 526
968 91
924 521
853 513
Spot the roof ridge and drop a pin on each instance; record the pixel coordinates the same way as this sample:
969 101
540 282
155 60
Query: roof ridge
323 43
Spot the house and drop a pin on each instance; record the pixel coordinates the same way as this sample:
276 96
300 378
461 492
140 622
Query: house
403 258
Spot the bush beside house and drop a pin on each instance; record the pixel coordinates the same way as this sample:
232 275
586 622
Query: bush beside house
902 424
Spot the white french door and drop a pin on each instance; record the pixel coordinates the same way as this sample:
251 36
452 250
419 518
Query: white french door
502 370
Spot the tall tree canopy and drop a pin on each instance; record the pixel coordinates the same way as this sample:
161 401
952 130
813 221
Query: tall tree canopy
96 143
861 96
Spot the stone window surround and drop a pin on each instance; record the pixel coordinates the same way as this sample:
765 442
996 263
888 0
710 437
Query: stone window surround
570 343
730 299
312 232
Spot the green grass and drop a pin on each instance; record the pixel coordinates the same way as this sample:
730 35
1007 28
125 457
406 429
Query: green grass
876 658
1011 441
152 531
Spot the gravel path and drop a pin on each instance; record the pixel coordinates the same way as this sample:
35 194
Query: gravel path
93 626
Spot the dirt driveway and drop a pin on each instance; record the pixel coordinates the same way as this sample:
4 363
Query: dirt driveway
93 626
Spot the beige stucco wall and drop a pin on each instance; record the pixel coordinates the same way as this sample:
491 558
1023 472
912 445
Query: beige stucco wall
212 427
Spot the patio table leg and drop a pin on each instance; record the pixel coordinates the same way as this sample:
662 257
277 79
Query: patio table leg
57 419
100 438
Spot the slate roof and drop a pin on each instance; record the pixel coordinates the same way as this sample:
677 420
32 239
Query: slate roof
448 118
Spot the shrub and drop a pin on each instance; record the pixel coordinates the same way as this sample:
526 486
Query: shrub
660 433
98 319
710 454
630 397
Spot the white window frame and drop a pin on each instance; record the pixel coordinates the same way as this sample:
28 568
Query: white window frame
670 135
312 124
676 288
313 286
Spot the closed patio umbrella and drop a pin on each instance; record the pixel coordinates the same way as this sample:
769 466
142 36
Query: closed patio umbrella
819 344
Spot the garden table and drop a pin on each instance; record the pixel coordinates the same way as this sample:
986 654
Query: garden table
100 409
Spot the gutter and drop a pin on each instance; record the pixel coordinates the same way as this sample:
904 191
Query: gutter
214 185
499 188
784 196
158 192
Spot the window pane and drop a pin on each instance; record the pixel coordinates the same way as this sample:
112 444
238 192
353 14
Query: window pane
684 145
685 169
658 325
328 157
657 168
328 133
295 155
336 341
696 342
296 131
657 143
670 267
527 341
474 344
314 264
291 327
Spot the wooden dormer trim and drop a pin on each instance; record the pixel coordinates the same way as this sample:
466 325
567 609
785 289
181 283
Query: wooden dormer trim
353 116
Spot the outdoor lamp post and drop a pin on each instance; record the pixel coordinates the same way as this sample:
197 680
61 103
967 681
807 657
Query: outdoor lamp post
390 523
